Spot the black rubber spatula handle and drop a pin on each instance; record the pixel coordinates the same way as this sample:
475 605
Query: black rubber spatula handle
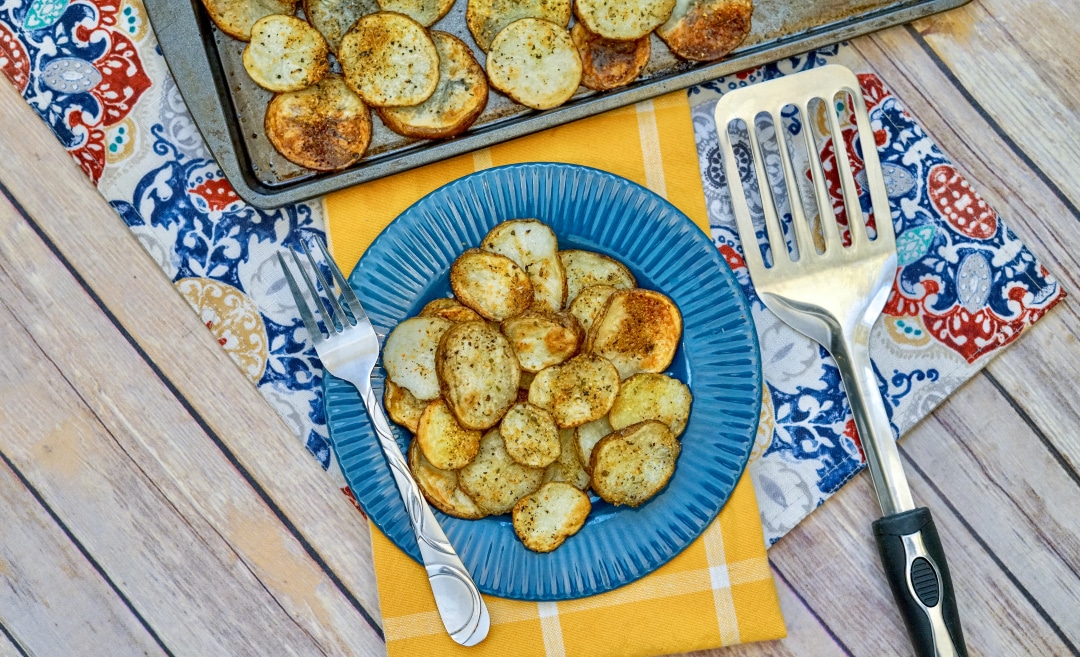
919 577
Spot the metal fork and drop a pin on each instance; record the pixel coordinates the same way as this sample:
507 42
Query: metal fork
350 352
834 298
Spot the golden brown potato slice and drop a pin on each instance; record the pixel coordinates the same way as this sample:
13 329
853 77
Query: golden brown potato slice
333 18
450 309
486 18
542 339
445 443
235 17
546 518
649 396
440 487
285 54
568 466
490 284
542 388
402 406
389 60
585 268
458 101
533 246
607 63
425 12
531 436
634 463
624 20
324 127
409 355
494 480
583 390
586 436
535 63
590 304
706 30
638 332
478 373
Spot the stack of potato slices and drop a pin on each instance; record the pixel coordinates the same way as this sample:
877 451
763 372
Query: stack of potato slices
542 378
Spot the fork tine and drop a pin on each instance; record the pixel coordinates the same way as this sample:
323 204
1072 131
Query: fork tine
741 209
301 305
829 227
324 312
338 311
777 243
856 220
803 237
346 289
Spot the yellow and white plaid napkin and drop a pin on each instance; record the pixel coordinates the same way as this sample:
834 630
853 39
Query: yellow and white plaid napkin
717 592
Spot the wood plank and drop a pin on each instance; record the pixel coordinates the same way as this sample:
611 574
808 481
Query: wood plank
121 462
8 648
109 258
52 600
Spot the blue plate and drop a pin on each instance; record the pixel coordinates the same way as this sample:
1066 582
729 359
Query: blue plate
408 265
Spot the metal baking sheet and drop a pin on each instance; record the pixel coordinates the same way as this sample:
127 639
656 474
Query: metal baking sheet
228 107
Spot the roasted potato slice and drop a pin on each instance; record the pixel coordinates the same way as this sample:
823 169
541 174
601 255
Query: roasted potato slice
585 268
582 390
633 464
542 339
235 17
389 60
478 373
542 388
649 396
590 304
445 443
706 30
425 12
568 466
285 54
409 355
494 480
323 127
546 518
333 18
532 245
486 18
607 63
586 436
531 436
440 487
450 309
459 99
624 20
491 284
535 63
638 332
402 406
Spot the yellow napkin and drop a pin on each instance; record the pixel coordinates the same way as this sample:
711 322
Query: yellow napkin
717 592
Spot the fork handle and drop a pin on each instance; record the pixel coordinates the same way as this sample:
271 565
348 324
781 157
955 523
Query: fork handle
460 604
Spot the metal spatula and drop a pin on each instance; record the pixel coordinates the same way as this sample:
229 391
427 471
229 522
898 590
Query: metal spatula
834 297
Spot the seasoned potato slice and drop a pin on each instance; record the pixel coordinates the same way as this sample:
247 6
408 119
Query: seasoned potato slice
546 518
425 12
583 390
389 60
634 463
706 30
542 388
285 54
585 268
649 396
494 480
235 17
542 339
440 487
402 406
409 355
486 18
568 466
586 436
531 436
533 246
333 18
450 309
478 373
607 63
324 127
491 284
624 20
459 99
535 63
590 304
443 440
639 332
